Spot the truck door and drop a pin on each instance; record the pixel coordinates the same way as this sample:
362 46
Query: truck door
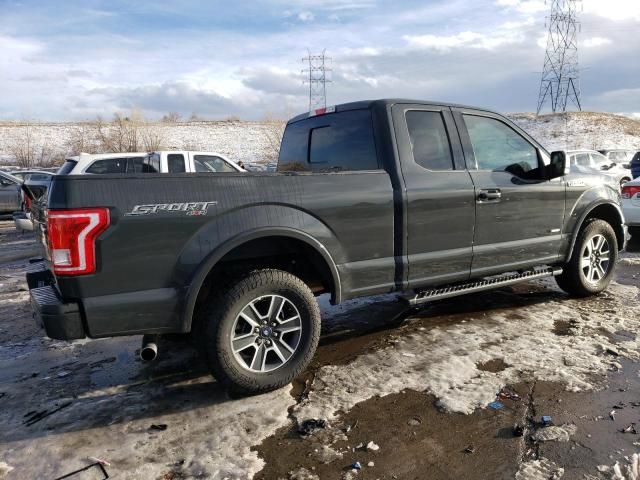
440 201
519 214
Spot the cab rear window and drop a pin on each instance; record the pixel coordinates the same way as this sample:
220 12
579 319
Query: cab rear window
337 142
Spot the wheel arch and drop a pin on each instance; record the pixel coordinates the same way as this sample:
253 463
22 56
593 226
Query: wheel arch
235 247
607 211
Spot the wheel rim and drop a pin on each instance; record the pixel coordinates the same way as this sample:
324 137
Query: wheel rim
595 259
266 333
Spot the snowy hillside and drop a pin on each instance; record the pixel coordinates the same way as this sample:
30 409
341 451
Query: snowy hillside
257 141
581 130
246 141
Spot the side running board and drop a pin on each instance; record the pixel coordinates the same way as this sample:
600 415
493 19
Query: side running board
481 285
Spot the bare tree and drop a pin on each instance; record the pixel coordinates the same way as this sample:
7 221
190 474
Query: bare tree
23 148
119 135
151 138
172 117
83 139
273 130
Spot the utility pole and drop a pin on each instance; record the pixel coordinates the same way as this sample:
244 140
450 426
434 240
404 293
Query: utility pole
561 76
317 79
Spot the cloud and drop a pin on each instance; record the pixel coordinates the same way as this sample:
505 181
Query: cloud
464 39
617 10
524 6
306 16
272 80
166 97
595 42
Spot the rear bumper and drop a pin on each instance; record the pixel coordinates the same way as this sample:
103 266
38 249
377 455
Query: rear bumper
132 313
60 320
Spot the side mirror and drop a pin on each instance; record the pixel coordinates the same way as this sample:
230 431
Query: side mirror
558 166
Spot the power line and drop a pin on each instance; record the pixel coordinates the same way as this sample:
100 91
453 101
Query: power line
560 80
317 79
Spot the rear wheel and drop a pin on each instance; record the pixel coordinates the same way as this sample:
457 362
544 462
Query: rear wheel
261 332
592 263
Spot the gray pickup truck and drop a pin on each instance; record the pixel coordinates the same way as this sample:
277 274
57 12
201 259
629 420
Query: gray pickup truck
428 199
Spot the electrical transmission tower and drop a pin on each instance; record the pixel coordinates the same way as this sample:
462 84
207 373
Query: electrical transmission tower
561 76
317 79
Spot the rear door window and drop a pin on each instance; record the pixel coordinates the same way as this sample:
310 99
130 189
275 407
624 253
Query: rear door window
429 140
211 163
175 163
135 164
337 142
108 165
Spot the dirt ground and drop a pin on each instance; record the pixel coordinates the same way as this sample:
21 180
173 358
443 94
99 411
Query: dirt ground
67 406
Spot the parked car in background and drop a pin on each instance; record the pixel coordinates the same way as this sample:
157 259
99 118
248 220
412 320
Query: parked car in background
631 206
34 174
590 161
635 165
619 155
9 193
188 162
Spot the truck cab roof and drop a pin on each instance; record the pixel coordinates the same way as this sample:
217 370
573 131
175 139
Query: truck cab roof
383 102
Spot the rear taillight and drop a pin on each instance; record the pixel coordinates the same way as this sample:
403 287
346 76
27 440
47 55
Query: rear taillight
630 191
27 203
71 239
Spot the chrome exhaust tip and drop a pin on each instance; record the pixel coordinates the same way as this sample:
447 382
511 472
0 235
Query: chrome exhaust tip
149 350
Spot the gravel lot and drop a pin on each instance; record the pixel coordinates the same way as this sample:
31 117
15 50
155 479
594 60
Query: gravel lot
417 384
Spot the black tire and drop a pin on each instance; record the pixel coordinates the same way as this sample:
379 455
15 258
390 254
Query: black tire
222 321
573 279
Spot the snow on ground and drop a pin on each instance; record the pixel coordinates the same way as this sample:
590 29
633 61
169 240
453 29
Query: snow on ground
543 469
629 469
108 402
444 361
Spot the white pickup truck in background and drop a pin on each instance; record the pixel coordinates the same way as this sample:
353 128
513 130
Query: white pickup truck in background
153 162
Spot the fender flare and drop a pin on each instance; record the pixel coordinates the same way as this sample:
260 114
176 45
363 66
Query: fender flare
216 255
617 228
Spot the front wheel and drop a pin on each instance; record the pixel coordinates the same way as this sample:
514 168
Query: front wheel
261 332
592 263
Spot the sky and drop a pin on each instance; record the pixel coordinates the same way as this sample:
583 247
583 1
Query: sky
76 59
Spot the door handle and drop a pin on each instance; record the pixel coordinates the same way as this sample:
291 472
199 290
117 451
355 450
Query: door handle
489 195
